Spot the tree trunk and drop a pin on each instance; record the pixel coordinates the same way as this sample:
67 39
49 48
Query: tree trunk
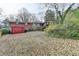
62 16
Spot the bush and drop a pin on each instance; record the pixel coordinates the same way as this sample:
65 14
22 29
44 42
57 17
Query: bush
74 34
69 28
5 31
63 31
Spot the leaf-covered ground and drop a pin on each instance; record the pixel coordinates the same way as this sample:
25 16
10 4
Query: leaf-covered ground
37 43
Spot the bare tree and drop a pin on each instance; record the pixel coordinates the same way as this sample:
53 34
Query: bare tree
24 14
49 16
63 14
60 10
33 18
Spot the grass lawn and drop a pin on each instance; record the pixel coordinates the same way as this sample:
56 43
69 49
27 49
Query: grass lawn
37 43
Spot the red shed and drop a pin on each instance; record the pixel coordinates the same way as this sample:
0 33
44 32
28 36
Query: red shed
17 27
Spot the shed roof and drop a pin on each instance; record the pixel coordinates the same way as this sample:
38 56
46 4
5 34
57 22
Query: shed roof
18 22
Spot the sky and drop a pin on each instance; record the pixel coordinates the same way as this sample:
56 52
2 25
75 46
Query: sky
13 8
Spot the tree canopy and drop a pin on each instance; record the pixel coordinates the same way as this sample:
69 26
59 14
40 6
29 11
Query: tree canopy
49 16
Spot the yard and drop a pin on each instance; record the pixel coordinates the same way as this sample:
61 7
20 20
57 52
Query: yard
37 43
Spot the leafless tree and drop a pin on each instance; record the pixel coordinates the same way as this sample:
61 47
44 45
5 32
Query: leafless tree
60 9
24 14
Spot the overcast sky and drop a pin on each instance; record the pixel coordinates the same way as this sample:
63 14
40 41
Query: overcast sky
12 8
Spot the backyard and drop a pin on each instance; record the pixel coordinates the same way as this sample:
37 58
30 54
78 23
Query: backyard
52 29
37 43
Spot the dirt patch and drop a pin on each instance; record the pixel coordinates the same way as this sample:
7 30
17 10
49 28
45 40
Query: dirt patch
37 43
